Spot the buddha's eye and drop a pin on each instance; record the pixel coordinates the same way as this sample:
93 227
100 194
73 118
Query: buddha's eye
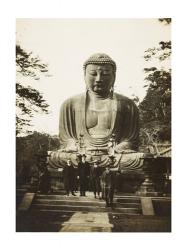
93 73
106 73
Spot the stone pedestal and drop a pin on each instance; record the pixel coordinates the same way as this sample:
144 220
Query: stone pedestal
156 169
148 187
56 179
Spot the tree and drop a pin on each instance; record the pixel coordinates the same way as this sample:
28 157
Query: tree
27 149
155 109
28 99
165 20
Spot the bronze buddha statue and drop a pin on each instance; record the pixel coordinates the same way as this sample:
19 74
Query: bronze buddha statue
97 116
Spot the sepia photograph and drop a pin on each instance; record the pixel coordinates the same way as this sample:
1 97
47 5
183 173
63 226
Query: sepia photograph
93 125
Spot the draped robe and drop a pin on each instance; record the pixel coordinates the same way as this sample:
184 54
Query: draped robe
124 125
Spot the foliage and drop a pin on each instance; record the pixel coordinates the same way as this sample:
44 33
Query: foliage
28 99
161 53
155 109
165 20
27 150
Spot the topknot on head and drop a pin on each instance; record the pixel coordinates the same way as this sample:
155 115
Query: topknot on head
100 58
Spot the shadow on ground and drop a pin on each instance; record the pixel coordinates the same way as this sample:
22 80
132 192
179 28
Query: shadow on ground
40 222
140 223
45 222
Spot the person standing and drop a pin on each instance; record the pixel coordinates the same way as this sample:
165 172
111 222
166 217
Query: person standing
69 178
44 181
108 186
95 175
83 175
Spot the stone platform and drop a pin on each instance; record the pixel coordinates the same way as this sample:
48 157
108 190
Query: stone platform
87 222
58 213
61 203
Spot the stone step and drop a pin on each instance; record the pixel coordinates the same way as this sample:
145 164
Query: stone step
60 212
65 213
26 186
58 203
61 197
128 205
121 199
21 190
100 203
71 202
127 199
36 206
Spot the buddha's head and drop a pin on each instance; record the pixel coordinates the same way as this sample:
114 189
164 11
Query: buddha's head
99 74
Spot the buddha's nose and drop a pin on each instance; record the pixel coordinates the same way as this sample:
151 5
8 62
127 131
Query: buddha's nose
99 78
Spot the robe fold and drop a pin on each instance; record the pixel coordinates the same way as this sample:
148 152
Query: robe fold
124 123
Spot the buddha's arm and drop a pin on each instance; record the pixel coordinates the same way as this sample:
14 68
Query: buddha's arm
130 139
67 126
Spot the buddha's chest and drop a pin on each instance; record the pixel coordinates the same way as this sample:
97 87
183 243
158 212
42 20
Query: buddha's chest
99 117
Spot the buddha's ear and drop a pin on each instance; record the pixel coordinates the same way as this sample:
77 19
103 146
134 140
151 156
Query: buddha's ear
114 79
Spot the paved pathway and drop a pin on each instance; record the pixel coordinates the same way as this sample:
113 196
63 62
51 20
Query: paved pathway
87 222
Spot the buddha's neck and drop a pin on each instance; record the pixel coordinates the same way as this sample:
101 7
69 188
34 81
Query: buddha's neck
96 96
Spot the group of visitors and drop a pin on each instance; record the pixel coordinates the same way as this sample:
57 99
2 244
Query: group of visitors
85 177
92 178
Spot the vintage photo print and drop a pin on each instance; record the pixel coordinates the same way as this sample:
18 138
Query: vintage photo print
93 125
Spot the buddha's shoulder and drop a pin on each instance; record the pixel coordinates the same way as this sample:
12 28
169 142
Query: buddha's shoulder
124 100
74 100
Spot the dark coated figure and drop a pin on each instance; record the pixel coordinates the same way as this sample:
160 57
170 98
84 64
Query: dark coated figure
95 179
69 178
44 181
83 175
108 186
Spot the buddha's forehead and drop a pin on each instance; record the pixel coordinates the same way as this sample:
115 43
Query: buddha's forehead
91 67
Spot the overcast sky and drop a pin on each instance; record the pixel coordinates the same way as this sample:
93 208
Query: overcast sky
66 43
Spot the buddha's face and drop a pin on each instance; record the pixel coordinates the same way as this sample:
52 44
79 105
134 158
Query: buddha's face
99 78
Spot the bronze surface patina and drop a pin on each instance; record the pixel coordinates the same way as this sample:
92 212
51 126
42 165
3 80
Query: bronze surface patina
99 122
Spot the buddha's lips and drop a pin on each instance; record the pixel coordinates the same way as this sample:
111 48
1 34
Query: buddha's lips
99 86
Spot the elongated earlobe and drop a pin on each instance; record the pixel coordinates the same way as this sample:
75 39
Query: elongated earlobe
111 92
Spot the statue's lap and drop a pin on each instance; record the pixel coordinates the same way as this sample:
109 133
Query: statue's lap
127 161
